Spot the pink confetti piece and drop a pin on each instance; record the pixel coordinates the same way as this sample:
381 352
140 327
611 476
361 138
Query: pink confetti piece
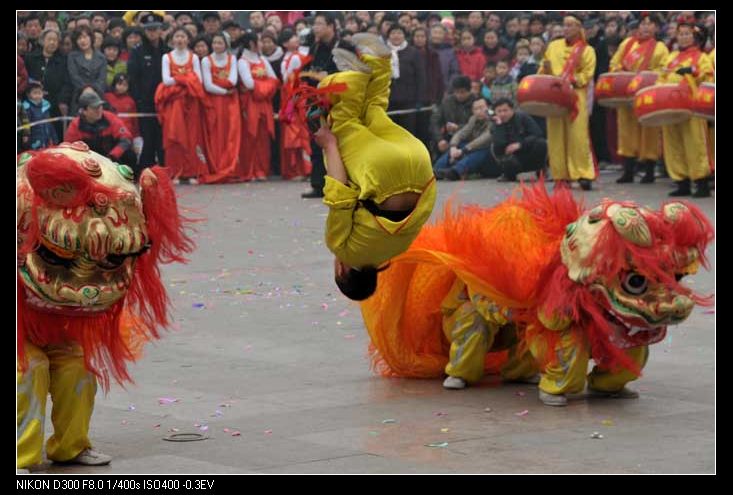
226 430
522 413
268 432
344 313
324 306
709 312
203 428
124 422
439 413
236 434
350 336
156 426
250 252
166 400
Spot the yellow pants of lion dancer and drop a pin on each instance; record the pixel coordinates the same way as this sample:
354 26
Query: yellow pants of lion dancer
634 140
474 327
569 374
569 145
686 149
60 371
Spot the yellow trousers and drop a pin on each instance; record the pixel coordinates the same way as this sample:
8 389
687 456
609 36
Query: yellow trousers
60 371
474 328
569 374
569 145
634 140
686 149
381 157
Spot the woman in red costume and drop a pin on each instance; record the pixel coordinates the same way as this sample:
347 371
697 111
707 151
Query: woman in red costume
257 89
178 100
295 145
223 122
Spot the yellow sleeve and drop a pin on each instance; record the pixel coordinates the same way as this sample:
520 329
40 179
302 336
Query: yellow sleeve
661 52
615 64
341 200
705 71
586 69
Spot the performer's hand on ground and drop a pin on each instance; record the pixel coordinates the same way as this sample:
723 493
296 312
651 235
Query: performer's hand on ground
325 138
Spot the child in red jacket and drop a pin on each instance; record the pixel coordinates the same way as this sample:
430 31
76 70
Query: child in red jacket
121 102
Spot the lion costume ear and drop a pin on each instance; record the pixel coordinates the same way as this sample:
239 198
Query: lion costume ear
691 227
59 180
166 226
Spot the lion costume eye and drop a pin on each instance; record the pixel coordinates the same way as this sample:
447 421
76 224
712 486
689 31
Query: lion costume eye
635 284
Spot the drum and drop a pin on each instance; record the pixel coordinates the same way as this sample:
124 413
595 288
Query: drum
642 80
611 89
663 104
545 96
703 105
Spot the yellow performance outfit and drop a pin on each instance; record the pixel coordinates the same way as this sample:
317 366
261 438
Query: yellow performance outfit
381 159
686 151
635 141
475 325
60 371
568 140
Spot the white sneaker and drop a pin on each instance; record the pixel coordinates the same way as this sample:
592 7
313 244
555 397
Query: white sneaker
557 400
624 393
454 383
348 61
91 457
371 44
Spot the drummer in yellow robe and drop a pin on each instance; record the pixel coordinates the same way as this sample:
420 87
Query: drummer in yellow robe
568 139
686 152
636 143
380 186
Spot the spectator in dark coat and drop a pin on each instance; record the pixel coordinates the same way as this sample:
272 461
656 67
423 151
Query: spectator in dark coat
408 78
448 61
452 113
49 67
37 109
87 66
492 50
518 143
434 87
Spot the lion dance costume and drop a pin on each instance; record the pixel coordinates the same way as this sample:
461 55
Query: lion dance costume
534 283
89 290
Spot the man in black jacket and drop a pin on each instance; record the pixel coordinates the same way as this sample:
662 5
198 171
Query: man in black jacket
144 69
518 143
324 41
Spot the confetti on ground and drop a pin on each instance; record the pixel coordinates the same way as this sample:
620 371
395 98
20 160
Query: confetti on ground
709 312
488 409
174 430
250 252
344 313
268 432
156 426
324 306
444 430
123 422
226 430
236 434
199 305
166 400
595 434
440 413
131 407
338 323
441 445
522 413
350 336
607 422
203 427
389 421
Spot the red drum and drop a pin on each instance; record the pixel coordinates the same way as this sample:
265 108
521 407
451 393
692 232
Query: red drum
545 96
703 105
642 80
611 89
663 104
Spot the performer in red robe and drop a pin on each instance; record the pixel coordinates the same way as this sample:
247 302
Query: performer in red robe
295 148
